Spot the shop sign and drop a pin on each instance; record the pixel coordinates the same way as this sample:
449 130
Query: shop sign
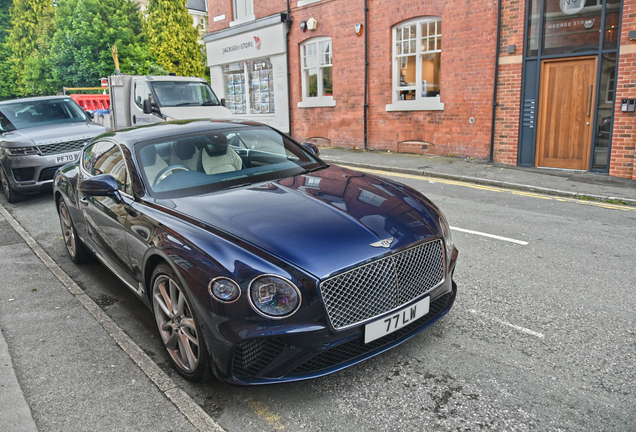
256 43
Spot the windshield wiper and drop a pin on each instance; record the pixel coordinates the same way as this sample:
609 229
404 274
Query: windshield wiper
310 170
210 103
187 103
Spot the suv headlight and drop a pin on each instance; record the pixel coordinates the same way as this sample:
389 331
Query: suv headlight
22 151
446 233
274 297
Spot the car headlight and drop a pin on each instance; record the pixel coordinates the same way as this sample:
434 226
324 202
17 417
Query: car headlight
224 290
22 151
274 297
446 232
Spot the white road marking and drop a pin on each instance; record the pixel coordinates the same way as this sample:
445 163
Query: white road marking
516 327
496 237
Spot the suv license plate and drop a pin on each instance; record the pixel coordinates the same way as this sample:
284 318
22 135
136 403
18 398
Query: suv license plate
72 157
396 321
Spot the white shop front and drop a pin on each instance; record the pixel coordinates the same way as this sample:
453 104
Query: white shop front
248 68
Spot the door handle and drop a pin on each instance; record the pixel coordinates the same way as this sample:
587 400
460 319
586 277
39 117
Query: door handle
589 101
84 200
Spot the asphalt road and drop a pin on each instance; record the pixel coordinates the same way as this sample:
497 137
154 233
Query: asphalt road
542 335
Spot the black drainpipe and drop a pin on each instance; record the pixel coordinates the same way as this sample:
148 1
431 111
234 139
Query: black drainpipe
366 71
288 23
494 94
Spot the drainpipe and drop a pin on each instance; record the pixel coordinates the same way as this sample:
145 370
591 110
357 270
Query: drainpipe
288 23
494 93
366 71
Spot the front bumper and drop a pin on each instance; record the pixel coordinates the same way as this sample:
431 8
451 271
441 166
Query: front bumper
311 353
31 174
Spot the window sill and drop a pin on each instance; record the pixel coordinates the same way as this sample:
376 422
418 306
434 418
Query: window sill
306 2
425 104
242 20
316 103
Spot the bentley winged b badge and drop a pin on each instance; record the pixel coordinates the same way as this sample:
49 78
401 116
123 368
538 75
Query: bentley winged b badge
383 243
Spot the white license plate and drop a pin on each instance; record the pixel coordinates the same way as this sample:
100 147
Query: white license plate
71 157
396 321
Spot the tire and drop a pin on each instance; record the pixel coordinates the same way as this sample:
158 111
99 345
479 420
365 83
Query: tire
179 328
74 246
12 196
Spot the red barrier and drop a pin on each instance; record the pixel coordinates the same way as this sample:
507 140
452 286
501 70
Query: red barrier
91 102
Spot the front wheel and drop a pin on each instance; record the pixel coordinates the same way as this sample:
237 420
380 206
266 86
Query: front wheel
178 326
12 196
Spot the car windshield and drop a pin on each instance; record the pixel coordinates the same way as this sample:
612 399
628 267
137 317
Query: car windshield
181 93
30 114
214 160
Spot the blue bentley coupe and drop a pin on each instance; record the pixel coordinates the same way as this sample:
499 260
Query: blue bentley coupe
260 262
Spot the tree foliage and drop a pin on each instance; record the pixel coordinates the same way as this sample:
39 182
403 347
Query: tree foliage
80 51
172 38
6 88
22 38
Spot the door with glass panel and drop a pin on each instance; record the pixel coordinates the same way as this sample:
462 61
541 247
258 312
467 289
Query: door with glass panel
566 112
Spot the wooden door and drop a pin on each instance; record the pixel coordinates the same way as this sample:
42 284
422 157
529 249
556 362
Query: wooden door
566 113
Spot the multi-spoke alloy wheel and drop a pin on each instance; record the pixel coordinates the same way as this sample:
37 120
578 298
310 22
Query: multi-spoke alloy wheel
12 196
177 325
73 244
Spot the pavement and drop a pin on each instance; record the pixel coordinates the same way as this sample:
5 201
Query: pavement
64 365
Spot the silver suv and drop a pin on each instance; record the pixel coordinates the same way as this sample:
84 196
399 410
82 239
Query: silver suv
37 136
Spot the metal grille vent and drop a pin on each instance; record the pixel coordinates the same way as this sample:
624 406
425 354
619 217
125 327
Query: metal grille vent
373 289
252 356
62 147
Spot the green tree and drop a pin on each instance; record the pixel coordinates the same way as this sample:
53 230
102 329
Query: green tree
6 89
22 38
37 75
172 38
85 31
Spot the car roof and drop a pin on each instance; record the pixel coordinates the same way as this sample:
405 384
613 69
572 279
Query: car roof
167 130
33 99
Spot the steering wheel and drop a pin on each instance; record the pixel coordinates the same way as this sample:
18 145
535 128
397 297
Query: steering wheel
167 171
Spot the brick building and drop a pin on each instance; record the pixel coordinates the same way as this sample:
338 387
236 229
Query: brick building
563 67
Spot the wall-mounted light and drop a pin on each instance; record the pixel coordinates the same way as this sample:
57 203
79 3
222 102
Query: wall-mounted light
632 35
512 49
303 26
358 28
312 24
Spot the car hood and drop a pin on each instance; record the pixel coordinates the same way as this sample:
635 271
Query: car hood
52 133
322 222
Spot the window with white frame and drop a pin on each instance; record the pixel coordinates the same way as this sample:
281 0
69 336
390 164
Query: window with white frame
249 86
317 74
243 10
417 53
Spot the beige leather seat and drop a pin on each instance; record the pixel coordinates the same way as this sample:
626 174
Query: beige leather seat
151 163
218 157
186 152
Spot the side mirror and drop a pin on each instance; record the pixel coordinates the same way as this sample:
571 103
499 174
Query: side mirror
147 106
312 148
100 185
223 102
90 115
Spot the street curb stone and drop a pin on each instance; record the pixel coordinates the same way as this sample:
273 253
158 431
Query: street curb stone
487 182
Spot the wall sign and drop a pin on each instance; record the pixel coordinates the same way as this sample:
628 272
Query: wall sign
257 43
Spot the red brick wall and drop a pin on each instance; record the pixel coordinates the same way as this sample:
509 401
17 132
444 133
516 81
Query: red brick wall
509 84
467 78
262 9
624 135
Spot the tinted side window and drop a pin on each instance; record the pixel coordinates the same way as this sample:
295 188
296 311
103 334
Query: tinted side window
104 157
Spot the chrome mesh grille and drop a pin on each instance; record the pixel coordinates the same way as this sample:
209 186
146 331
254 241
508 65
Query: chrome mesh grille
62 147
382 285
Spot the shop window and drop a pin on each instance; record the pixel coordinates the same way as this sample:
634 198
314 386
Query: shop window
417 56
249 87
317 74
243 11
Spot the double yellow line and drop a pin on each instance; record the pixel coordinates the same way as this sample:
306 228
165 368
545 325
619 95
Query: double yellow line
495 189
